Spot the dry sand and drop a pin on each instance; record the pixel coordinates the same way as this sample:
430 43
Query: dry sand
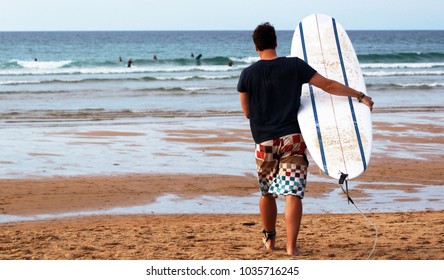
403 236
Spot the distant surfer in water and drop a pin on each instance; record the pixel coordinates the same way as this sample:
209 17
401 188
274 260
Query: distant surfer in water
130 62
270 91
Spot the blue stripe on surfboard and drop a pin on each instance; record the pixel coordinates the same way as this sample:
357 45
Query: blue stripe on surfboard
350 102
313 103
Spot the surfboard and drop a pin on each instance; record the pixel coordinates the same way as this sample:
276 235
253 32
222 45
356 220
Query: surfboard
337 130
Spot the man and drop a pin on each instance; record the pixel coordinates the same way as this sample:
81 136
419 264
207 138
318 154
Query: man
270 91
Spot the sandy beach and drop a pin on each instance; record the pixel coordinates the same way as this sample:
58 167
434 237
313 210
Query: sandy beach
406 236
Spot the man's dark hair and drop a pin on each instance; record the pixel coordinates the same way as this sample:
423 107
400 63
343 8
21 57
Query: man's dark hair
264 36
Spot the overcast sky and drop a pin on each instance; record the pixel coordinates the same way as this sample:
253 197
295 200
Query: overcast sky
46 15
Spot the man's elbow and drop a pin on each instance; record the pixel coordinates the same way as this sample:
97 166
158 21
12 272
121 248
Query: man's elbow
323 83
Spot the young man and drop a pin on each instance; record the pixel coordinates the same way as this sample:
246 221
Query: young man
270 91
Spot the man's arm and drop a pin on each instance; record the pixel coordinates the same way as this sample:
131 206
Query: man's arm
336 88
244 100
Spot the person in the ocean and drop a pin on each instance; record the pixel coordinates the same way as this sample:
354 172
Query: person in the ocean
130 62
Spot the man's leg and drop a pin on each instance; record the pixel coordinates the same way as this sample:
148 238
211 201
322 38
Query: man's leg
268 209
293 216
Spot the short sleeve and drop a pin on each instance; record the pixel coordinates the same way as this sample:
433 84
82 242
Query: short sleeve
306 71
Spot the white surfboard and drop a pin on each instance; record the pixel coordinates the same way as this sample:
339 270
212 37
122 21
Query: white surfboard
337 130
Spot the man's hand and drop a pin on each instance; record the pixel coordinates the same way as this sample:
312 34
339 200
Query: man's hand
367 100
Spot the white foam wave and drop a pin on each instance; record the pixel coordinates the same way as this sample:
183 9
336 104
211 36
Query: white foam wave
86 78
432 85
248 60
47 70
11 83
402 73
218 77
203 77
422 85
195 88
401 65
31 64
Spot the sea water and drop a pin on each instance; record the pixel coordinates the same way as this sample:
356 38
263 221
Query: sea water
56 87
72 75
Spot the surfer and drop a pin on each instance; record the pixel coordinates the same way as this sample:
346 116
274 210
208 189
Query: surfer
270 91
230 62
130 62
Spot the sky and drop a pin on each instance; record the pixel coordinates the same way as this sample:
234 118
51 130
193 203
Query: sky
69 15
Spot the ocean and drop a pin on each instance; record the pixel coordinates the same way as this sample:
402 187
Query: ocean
58 90
80 72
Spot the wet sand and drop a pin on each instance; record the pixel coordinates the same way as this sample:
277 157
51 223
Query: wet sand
410 235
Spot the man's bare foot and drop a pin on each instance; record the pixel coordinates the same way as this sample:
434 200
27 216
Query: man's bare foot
269 244
293 252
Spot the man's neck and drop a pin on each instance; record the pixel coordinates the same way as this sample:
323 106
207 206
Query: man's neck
268 54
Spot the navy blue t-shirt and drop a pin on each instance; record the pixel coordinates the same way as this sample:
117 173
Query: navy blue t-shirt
274 90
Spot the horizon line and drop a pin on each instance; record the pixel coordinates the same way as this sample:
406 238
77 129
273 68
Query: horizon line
199 30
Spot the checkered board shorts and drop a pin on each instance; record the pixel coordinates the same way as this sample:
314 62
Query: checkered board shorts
282 166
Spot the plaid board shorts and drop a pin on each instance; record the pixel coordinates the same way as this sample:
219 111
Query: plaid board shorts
282 166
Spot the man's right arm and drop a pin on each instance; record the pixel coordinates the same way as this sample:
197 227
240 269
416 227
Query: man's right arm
245 101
